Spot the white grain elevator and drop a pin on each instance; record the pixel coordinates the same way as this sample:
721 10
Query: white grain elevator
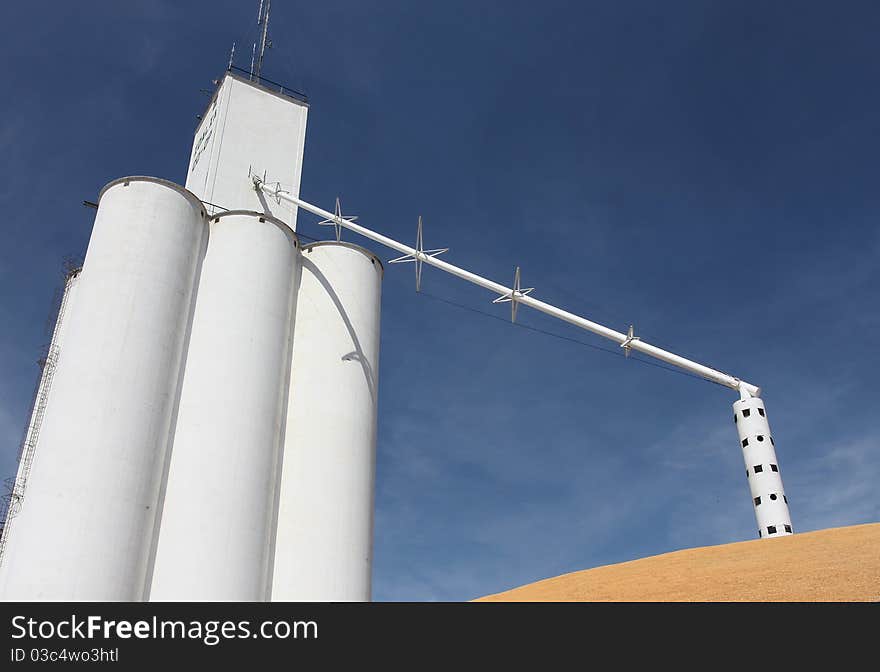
205 427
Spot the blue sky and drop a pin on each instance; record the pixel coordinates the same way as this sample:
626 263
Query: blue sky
704 170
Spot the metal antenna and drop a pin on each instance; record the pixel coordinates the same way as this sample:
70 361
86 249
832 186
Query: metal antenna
263 19
419 255
231 57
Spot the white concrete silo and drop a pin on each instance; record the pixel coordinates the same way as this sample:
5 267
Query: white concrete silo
87 518
323 546
219 507
27 451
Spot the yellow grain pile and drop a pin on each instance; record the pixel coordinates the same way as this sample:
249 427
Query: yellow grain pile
838 564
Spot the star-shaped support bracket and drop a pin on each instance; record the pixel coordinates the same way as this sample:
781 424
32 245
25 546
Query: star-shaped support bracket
419 256
514 296
628 341
337 220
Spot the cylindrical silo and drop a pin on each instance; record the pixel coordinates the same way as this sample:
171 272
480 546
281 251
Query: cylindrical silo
31 437
87 518
218 513
762 468
324 540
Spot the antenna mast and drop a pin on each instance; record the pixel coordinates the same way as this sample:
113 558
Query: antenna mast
262 20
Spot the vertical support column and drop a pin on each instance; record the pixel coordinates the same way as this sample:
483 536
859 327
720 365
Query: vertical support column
762 468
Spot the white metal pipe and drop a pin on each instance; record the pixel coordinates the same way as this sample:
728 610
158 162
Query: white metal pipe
745 389
762 468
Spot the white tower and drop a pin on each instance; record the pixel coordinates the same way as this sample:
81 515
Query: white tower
324 544
248 125
218 514
88 514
